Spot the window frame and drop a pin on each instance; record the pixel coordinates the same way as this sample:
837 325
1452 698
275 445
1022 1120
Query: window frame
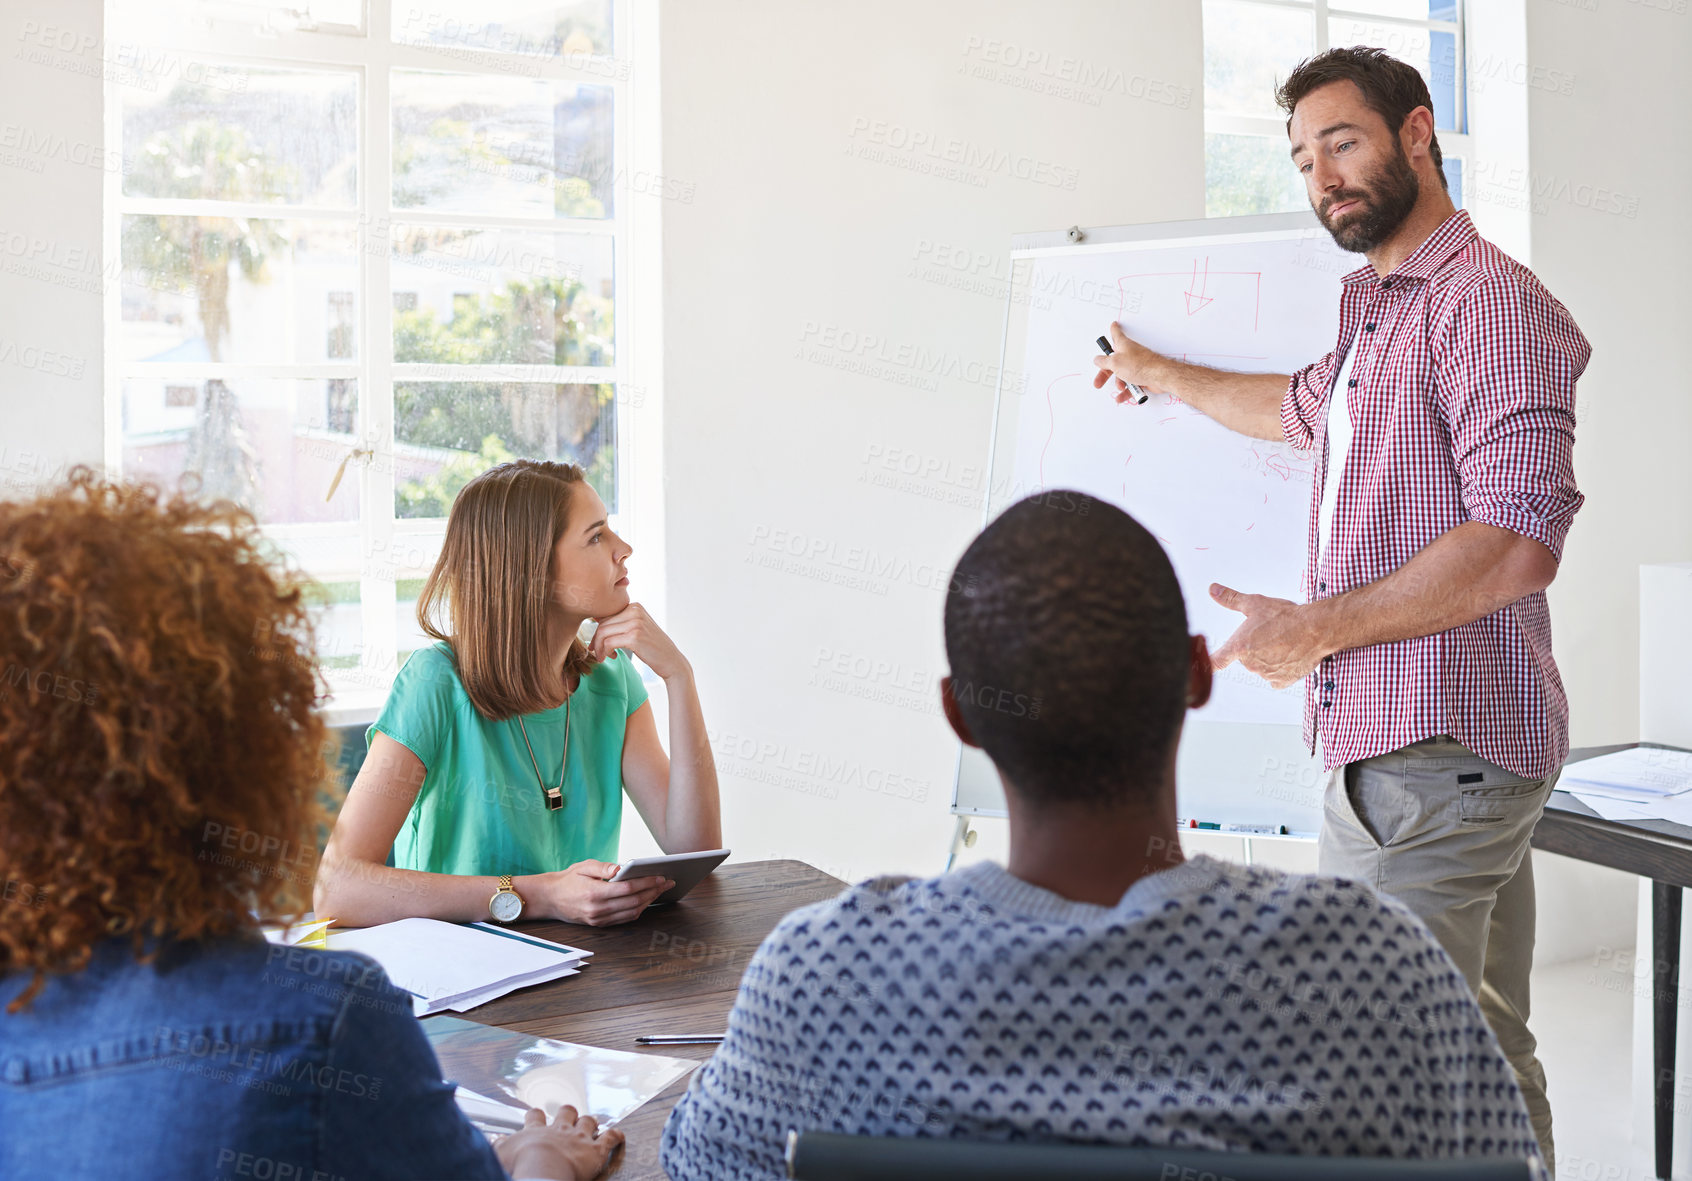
379 548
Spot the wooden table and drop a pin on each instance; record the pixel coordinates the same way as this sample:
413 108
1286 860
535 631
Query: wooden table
1659 850
673 970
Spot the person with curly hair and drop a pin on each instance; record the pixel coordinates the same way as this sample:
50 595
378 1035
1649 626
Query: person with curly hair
496 771
162 778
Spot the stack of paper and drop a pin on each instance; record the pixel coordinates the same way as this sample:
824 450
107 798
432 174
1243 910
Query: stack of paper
502 1073
1642 783
457 967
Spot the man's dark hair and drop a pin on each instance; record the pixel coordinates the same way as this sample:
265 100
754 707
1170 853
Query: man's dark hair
1391 88
1067 637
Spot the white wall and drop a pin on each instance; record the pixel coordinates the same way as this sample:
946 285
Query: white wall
51 172
806 237
1621 130
1608 190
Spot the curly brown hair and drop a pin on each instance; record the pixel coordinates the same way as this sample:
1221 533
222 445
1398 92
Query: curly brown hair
161 760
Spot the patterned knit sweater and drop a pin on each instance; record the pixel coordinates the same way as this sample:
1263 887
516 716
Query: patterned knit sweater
1215 1007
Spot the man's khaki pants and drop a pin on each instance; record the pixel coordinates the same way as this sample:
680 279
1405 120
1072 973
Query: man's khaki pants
1445 832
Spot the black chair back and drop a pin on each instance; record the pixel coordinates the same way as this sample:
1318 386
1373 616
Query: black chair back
825 1156
345 755
347 743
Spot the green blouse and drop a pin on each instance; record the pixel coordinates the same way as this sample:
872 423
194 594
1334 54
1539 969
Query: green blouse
481 809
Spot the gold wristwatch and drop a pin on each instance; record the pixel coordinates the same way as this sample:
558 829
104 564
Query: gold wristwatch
506 903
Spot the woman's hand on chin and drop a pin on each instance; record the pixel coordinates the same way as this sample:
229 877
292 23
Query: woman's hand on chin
633 630
581 894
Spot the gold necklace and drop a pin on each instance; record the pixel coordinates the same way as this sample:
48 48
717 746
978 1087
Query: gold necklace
554 795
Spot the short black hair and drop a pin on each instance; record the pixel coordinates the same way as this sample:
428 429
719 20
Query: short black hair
1066 633
1391 88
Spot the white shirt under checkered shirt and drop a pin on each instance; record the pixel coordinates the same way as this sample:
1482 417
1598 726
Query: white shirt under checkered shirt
1462 399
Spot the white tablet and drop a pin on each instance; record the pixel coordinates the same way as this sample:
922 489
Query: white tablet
686 870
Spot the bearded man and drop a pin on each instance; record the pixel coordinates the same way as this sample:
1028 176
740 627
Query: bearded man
1442 426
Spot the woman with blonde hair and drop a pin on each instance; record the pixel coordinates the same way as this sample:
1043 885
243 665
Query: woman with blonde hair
161 763
496 771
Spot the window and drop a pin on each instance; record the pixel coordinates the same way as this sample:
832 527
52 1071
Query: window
368 250
339 411
1250 45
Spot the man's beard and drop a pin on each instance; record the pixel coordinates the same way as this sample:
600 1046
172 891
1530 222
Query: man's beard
1381 207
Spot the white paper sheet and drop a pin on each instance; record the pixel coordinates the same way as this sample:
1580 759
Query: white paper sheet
465 1003
448 965
1677 808
1638 774
1611 809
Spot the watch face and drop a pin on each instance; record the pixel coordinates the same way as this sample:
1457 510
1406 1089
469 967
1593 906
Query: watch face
505 906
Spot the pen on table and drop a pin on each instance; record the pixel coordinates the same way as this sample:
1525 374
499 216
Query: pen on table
679 1039
1139 394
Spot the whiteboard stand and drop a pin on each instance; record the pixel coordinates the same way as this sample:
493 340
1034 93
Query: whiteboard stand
963 837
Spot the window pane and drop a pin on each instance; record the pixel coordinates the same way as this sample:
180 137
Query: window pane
502 297
341 331
1250 174
1443 79
1453 169
447 433
1415 10
241 134
1248 49
272 446
565 28
202 288
409 636
511 147
405 561
332 12
337 616
149 19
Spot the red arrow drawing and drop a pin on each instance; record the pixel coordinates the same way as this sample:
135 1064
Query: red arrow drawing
1196 300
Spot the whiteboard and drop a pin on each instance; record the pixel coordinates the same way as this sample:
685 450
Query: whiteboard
1255 294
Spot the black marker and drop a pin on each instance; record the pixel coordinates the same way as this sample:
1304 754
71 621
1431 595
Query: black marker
1140 394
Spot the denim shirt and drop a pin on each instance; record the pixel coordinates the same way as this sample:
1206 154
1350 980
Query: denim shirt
227 1059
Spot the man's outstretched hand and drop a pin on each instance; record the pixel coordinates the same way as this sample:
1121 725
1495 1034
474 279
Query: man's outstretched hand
1130 362
1277 639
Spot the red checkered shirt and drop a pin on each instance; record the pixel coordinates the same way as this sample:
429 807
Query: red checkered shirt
1462 400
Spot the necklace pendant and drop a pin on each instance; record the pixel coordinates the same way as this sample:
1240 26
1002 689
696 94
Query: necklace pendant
554 795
